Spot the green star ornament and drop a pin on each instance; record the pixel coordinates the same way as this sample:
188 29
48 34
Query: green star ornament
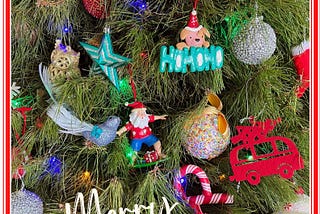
107 60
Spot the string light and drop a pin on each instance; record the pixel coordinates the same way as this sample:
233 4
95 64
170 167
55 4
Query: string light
53 166
86 175
22 101
139 5
129 153
249 158
222 177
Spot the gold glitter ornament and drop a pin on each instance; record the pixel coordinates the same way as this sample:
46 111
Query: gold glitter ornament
208 133
255 43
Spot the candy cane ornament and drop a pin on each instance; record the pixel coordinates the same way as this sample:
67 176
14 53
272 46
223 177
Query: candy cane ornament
207 196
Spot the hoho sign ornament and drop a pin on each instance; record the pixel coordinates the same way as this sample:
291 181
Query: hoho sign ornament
267 155
194 53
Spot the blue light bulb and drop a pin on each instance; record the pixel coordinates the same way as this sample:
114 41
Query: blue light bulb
139 5
54 165
63 47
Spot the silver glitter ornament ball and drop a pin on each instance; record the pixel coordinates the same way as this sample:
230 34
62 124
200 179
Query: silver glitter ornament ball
255 43
26 202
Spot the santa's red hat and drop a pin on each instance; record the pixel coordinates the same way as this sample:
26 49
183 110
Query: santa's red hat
135 105
193 24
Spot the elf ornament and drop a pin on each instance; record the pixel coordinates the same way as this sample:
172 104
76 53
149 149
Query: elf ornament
301 57
140 132
208 133
255 43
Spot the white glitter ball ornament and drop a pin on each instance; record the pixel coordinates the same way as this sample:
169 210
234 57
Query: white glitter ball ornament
26 202
255 43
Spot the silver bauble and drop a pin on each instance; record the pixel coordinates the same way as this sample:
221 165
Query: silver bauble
26 202
255 43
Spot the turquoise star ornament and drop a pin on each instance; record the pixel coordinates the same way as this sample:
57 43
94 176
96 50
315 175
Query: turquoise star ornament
107 60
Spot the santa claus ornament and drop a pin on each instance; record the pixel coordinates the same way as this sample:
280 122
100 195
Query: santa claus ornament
140 132
194 53
301 60
207 133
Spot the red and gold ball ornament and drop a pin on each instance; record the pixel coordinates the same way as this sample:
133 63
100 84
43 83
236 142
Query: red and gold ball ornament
96 8
208 132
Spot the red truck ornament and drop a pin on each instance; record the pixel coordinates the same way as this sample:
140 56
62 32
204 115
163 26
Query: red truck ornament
260 155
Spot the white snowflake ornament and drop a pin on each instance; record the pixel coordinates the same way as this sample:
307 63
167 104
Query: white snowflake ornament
14 90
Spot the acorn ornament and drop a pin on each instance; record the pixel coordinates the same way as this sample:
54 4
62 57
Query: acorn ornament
255 43
207 132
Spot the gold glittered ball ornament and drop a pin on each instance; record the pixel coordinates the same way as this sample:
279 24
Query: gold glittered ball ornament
207 132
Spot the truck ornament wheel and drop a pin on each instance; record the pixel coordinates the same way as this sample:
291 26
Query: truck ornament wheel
286 171
253 177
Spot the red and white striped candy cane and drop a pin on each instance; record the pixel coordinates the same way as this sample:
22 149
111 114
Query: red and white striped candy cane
192 169
207 196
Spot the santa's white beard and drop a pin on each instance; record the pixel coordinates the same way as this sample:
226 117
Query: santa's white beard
139 122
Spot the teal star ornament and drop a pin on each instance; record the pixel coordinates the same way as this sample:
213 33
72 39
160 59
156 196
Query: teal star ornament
107 60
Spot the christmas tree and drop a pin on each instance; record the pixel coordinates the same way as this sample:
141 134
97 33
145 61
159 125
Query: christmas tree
207 74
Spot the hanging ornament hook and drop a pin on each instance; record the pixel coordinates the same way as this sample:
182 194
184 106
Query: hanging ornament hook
22 183
133 87
106 29
247 104
195 3
256 7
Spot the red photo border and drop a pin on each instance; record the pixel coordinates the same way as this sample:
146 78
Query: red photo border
314 106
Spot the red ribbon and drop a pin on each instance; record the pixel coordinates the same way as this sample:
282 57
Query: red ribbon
133 87
195 4
20 172
23 111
